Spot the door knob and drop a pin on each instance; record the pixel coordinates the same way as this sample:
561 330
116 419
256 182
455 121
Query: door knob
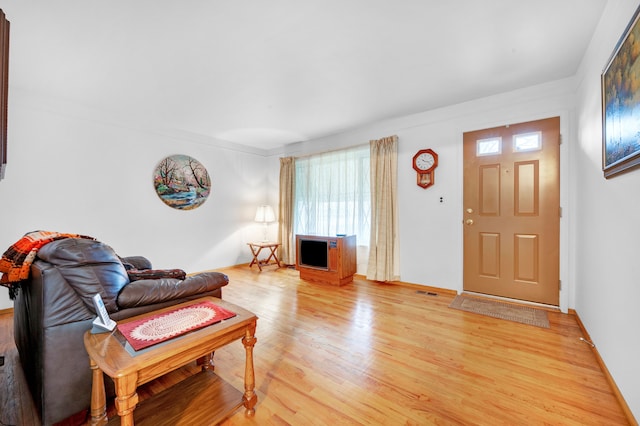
469 210
468 222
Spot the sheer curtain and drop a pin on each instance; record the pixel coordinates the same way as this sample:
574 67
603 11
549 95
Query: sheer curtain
384 262
285 210
332 194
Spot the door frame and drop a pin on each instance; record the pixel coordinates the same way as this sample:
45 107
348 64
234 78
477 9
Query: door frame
565 136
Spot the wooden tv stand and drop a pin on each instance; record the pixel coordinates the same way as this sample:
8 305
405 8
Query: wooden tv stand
342 260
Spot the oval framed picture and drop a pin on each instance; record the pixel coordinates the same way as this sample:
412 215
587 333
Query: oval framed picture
182 182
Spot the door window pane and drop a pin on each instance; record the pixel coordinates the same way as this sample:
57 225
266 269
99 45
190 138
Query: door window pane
491 146
527 142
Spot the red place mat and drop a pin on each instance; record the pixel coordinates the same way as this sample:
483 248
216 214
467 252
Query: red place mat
151 330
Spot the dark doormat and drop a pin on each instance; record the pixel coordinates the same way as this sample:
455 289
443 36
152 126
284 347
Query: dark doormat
506 311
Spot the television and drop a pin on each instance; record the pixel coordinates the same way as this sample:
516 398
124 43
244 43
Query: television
313 253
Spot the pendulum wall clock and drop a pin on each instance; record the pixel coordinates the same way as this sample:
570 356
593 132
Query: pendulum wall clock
424 163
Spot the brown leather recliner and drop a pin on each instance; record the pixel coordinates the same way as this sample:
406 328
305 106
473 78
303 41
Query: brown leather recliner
54 308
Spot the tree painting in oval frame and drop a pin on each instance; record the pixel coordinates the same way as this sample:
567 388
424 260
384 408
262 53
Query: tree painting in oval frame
182 182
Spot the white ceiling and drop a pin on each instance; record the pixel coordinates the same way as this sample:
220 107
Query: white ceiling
265 73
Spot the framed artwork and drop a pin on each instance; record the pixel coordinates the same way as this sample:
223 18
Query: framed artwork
4 89
182 182
621 103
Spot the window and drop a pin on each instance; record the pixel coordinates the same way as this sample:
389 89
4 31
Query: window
332 194
527 142
490 146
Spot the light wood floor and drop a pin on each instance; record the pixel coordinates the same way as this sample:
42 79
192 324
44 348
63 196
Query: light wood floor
369 353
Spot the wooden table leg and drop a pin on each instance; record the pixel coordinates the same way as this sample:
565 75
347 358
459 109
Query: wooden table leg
126 398
250 398
255 260
98 399
274 256
206 362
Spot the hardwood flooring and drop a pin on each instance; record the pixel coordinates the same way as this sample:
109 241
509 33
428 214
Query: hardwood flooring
370 353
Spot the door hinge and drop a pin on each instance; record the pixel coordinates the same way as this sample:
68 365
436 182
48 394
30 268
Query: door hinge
559 284
560 211
560 139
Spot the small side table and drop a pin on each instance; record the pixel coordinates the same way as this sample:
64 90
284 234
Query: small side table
256 248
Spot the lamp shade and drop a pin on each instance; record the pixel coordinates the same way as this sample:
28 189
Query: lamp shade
265 214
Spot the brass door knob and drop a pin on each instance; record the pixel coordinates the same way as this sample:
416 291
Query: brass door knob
468 222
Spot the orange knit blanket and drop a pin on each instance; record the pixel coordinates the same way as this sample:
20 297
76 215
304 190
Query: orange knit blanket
15 263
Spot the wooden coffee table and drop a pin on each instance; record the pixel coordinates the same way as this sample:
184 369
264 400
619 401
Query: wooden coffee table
201 399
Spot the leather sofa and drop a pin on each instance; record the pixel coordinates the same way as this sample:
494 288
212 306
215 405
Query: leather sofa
54 308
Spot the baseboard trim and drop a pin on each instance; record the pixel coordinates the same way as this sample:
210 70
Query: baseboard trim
6 311
614 387
428 288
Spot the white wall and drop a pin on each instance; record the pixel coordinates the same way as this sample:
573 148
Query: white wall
70 170
607 237
430 230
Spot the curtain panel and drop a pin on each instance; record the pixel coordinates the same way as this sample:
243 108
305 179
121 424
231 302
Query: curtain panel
384 261
285 210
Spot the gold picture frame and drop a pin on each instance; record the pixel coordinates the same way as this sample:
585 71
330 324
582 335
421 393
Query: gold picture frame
620 82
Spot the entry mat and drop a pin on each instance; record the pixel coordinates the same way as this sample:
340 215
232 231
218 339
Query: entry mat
151 330
506 311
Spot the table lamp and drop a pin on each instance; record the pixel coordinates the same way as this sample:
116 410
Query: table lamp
265 215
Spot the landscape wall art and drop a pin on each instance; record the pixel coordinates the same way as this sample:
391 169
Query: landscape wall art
182 182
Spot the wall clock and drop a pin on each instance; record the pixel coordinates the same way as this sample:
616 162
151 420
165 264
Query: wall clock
424 163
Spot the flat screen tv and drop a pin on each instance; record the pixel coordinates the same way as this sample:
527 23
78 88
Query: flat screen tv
313 254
